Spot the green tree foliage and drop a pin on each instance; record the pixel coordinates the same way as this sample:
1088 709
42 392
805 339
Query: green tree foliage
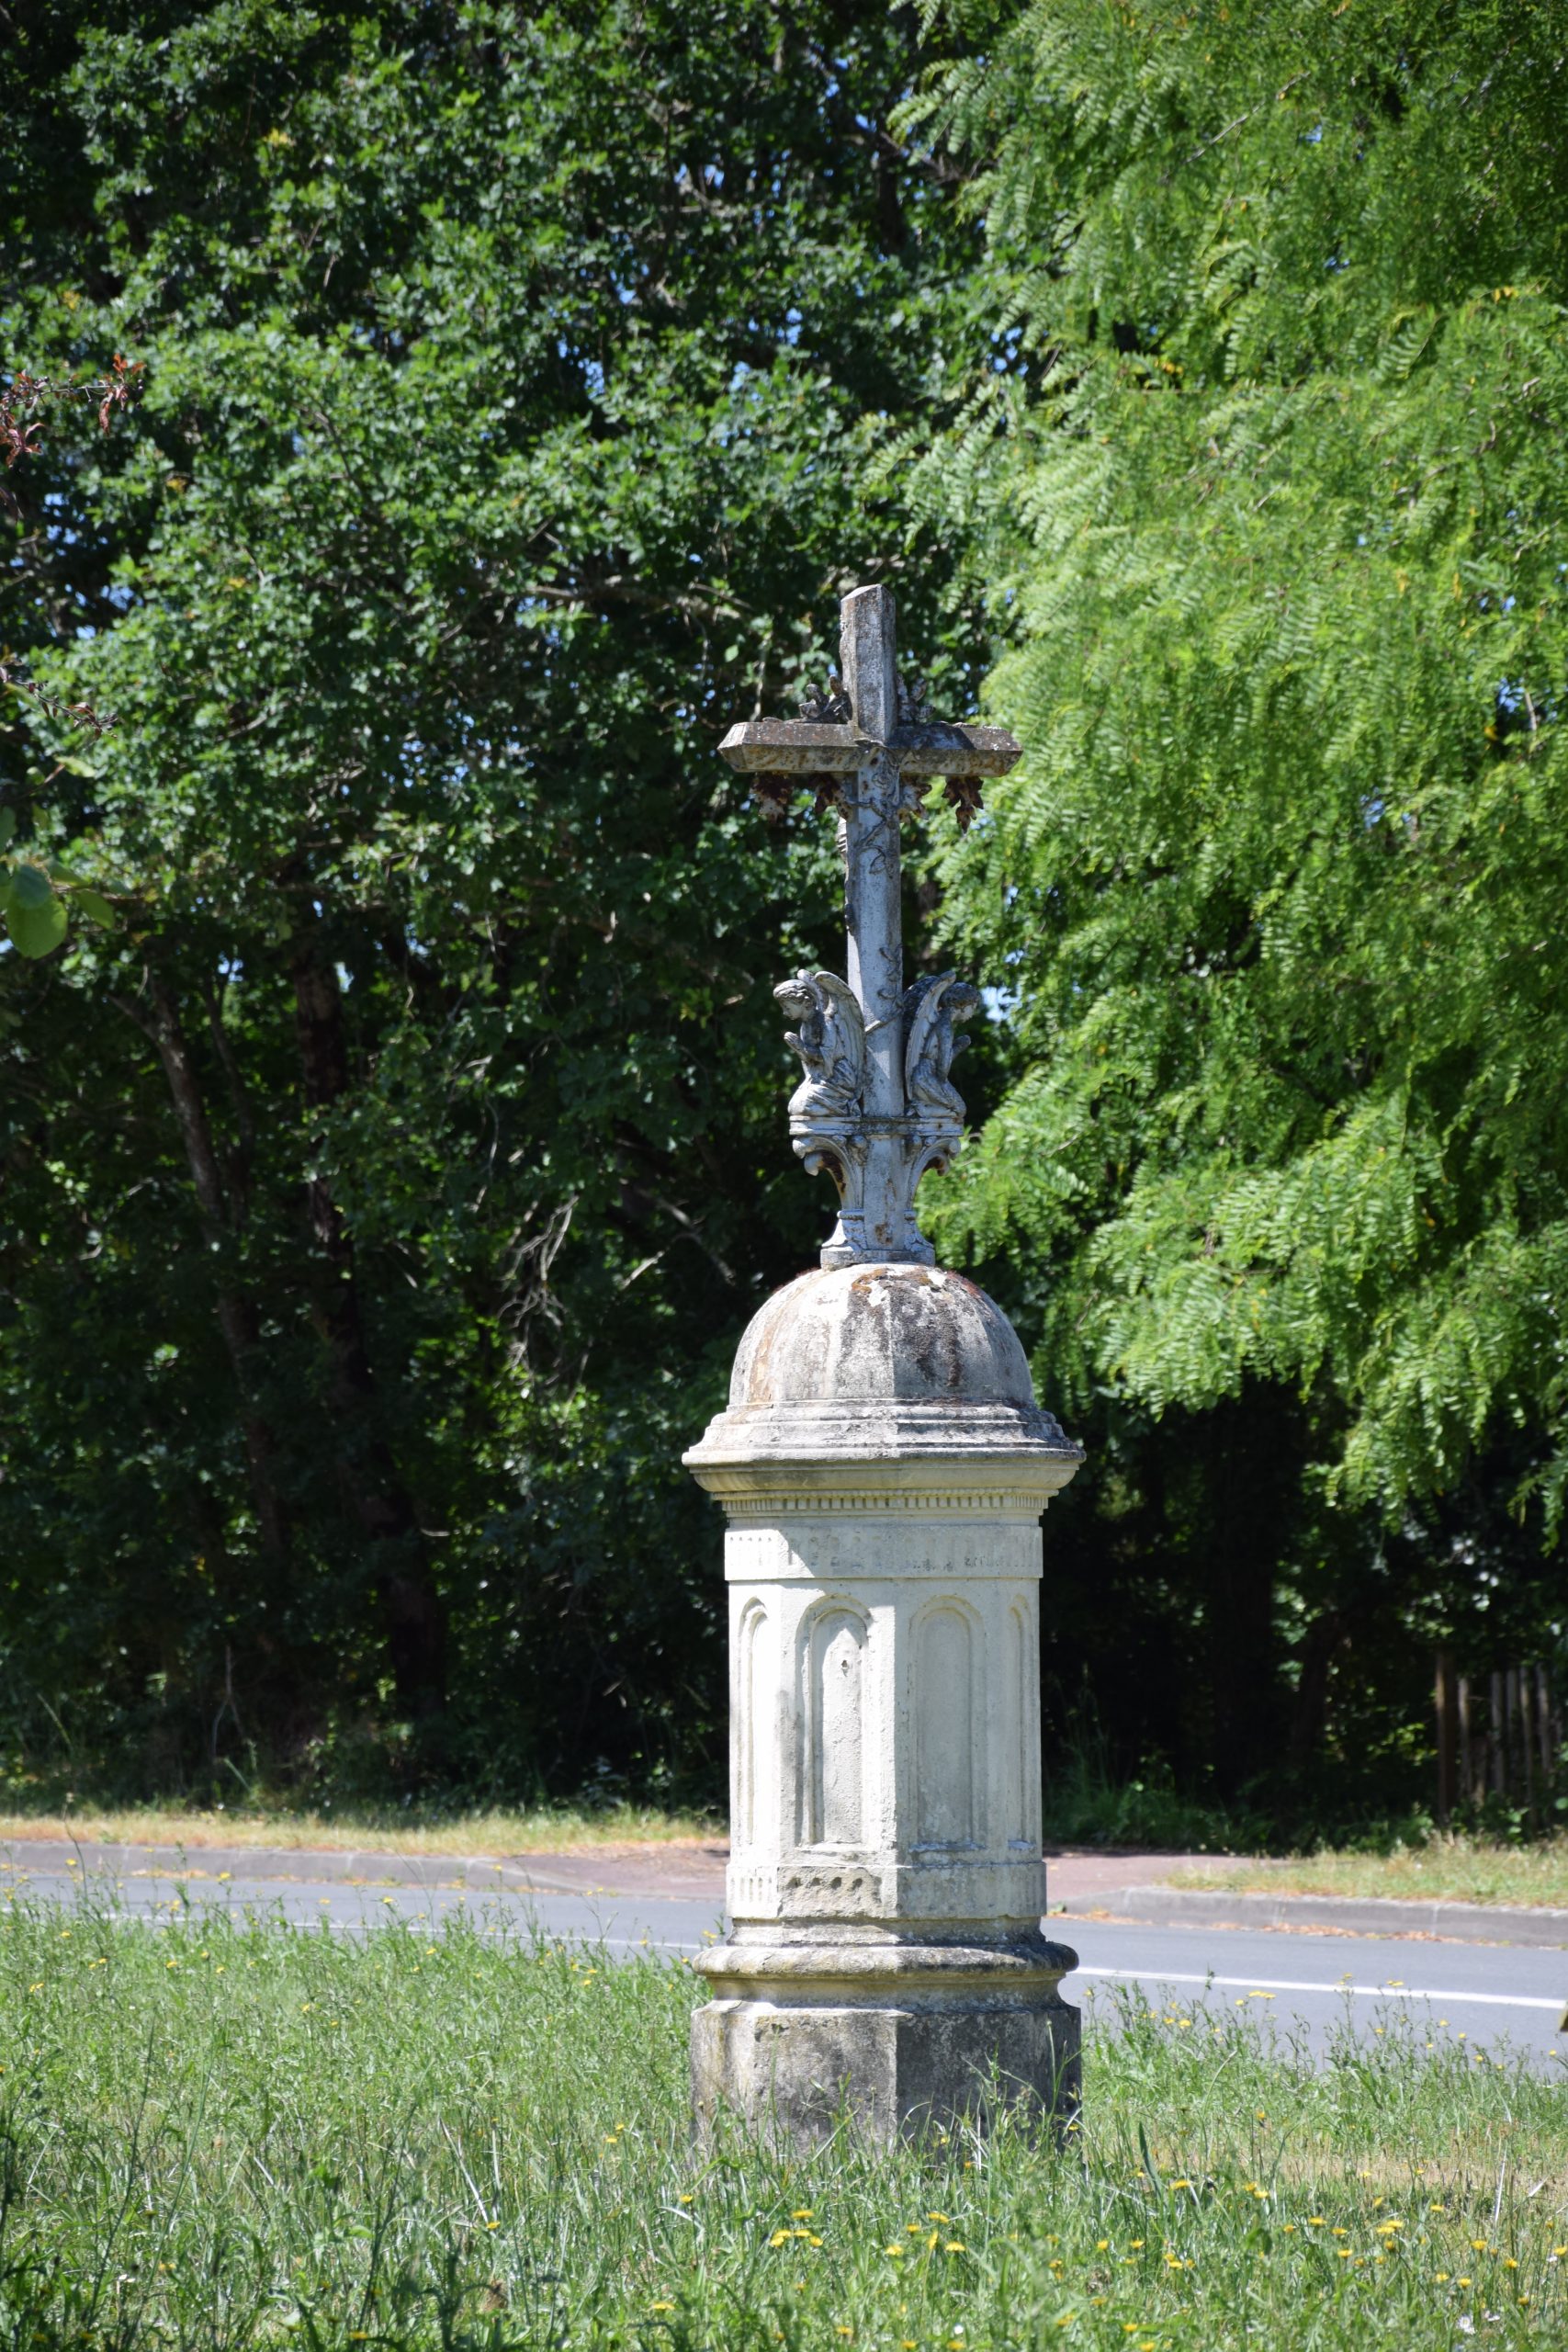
1270 493
384 1192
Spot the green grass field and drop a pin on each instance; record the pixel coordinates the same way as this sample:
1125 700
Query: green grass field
1454 1869
225 2136
524 1829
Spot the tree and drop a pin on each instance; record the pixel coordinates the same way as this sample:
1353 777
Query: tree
1268 484
386 1192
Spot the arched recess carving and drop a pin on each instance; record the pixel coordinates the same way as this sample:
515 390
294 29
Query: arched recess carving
755 1697
832 1779
1022 1749
949 1667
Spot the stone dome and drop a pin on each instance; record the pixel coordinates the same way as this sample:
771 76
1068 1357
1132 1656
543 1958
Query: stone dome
880 1360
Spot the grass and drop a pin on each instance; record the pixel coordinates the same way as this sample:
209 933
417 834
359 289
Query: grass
231 2134
1455 1869
530 1829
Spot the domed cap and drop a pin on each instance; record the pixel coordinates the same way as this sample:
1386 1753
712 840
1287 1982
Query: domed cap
880 1360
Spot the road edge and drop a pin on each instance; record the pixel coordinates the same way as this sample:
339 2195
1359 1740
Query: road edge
1367 1915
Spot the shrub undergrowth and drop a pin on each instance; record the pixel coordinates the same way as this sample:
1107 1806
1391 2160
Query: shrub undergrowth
230 2134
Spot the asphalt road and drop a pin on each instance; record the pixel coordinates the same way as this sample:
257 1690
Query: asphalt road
1305 1986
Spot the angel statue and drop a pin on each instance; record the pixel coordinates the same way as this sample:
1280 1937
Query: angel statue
831 1041
930 1009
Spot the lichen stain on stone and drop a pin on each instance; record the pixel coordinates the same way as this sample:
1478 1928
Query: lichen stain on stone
884 1332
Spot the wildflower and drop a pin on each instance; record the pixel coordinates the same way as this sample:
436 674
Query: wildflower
936 2217
957 2245
1315 2221
661 2307
1102 2245
801 2212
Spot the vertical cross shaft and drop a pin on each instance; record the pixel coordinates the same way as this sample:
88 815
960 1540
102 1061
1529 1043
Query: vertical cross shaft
872 914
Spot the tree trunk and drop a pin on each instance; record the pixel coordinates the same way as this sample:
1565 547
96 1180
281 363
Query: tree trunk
372 1490
1324 1638
159 1020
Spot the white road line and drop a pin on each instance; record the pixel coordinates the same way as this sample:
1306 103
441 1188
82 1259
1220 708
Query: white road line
1361 1991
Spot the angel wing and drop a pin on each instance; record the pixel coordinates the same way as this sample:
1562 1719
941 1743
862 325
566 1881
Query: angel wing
831 1041
930 1043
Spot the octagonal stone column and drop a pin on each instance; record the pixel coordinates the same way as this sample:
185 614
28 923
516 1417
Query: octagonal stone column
882 1467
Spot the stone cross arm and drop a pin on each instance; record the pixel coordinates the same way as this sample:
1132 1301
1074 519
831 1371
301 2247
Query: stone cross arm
798 746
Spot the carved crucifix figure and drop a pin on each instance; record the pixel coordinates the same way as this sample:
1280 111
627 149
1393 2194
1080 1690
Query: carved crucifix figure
876 1107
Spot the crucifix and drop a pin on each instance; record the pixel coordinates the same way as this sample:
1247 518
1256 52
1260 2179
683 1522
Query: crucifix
876 1107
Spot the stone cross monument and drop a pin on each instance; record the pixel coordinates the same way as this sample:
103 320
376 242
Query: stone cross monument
882 1466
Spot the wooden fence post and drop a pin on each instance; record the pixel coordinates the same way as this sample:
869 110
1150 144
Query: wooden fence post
1448 1728
1466 1757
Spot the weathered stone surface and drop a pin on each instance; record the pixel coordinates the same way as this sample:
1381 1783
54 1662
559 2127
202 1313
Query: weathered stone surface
935 2045
795 746
883 1465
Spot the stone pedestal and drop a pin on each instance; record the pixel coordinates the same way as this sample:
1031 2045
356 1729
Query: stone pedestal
882 1466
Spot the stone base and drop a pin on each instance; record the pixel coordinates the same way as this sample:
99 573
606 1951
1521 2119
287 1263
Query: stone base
900 2038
